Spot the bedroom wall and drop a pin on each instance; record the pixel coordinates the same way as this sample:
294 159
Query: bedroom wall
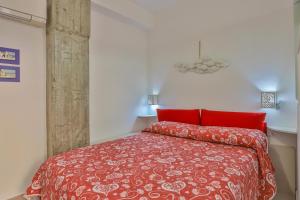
118 80
256 37
118 57
297 46
23 108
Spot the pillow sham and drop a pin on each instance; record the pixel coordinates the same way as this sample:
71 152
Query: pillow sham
179 115
233 119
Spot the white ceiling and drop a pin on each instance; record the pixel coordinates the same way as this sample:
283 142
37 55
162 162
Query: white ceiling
154 5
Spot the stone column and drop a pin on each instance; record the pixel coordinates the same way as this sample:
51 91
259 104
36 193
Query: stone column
68 32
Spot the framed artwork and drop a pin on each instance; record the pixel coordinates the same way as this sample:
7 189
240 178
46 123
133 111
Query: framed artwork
9 56
9 74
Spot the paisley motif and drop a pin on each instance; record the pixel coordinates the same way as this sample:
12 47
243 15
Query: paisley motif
105 189
115 162
232 171
165 160
235 190
59 181
171 161
174 173
271 179
148 187
36 185
176 186
114 175
79 190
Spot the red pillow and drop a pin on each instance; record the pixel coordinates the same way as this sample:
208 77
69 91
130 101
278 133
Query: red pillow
182 116
233 119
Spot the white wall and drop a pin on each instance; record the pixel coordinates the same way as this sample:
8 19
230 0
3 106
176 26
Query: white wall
23 110
297 45
256 37
118 83
127 9
34 7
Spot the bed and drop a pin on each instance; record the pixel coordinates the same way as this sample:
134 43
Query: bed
169 160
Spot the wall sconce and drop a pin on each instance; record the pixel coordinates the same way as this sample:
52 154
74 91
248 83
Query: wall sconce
269 100
152 99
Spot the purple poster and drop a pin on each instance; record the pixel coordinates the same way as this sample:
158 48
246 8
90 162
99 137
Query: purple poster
9 74
9 56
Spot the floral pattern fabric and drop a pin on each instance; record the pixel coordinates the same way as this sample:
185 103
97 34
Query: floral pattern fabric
170 161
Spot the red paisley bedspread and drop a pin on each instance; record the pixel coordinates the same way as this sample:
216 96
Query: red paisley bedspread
179 162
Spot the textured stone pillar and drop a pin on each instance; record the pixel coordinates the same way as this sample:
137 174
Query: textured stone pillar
68 32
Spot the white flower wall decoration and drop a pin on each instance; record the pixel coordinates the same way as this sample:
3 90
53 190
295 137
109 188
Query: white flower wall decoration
202 65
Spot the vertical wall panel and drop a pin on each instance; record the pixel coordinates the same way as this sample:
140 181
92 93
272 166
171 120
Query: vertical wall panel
68 32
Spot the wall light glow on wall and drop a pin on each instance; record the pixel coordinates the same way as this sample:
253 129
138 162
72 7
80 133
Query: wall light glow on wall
269 100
